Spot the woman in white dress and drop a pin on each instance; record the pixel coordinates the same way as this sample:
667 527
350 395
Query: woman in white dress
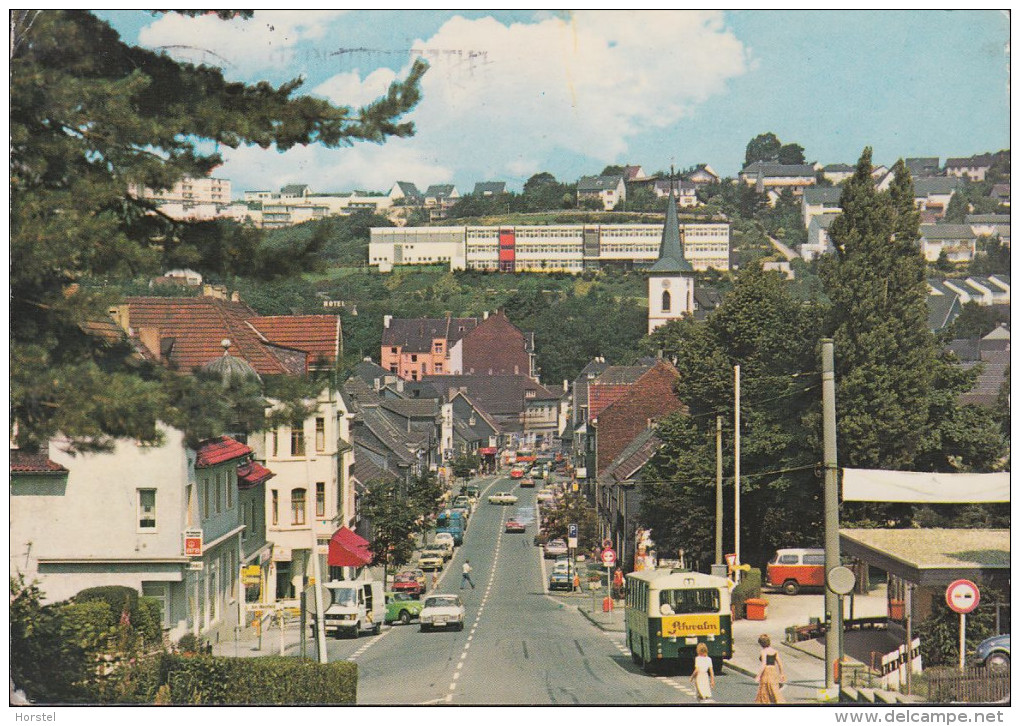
703 676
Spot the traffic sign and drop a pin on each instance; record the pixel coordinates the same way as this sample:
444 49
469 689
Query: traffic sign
962 596
571 530
841 580
608 556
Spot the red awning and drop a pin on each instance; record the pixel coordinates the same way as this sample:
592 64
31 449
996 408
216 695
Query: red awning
346 549
487 450
252 473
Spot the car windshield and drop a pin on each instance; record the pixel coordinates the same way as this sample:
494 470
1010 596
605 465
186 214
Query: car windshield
344 596
442 601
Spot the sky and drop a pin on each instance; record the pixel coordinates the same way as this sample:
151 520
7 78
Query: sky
513 93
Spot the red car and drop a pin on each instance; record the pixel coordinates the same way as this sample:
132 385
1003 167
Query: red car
408 582
512 525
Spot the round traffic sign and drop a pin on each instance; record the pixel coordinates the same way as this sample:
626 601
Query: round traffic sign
608 556
841 580
962 596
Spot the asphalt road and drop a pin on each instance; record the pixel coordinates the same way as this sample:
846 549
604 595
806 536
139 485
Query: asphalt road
520 645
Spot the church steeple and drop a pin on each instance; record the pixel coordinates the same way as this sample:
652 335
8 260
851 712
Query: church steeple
671 277
671 250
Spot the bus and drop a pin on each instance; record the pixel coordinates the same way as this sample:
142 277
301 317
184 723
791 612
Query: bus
669 612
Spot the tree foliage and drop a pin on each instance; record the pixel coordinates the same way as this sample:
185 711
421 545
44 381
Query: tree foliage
89 116
763 147
393 522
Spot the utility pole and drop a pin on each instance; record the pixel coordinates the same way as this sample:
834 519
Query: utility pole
833 611
736 471
320 614
718 491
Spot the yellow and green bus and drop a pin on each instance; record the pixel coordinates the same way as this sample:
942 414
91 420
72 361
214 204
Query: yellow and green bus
670 611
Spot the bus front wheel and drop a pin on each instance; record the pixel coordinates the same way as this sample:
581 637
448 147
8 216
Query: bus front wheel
791 587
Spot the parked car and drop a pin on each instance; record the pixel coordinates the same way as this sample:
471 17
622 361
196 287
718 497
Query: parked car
462 500
528 482
517 473
442 611
446 541
512 525
993 653
402 607
432 558
546 496
554 548
412 581
471 491
562 576
502 498
792 569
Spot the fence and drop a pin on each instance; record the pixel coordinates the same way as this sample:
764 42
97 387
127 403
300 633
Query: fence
893 666
973 685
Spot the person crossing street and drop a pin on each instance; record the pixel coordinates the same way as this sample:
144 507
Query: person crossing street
465 575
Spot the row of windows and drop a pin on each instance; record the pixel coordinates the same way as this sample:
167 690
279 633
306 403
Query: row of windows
298 505
549 249
297 439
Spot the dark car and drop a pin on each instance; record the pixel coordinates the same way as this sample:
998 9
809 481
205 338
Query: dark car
993 653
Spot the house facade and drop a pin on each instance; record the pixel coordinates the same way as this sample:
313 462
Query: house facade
495 347
609 191
686 192
772 177
413 348
165 520
957 241
971 167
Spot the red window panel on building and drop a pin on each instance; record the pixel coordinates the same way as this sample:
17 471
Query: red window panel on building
507 249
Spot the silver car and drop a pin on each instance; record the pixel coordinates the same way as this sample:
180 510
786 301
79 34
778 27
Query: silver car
442 611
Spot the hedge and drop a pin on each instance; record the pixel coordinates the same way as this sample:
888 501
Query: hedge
255 681
748 587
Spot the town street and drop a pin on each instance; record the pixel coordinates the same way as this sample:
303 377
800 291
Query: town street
519 645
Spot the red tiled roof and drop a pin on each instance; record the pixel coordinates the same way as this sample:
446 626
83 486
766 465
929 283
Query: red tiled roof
252 473
198 326
24 462
215 451
317 335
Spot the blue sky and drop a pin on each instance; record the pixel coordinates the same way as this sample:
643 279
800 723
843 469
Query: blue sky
510 94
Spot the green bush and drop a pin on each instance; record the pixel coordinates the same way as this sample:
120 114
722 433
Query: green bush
749 587
253 681
144 612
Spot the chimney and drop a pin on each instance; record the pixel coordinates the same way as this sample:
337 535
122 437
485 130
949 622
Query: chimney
485 315
121 316
400 385
386 320
235 296
566 386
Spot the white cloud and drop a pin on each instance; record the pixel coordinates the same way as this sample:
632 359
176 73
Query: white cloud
505 101
267 40
499 96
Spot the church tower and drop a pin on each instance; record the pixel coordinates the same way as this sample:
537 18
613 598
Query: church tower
671 278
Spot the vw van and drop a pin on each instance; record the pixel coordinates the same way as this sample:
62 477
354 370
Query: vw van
792 569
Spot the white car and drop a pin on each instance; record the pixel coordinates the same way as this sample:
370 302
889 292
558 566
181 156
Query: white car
446 541
502 498
442 611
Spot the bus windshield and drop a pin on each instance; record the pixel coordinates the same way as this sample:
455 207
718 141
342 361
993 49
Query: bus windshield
683 602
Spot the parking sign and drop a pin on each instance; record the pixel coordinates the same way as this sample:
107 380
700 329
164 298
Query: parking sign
572 536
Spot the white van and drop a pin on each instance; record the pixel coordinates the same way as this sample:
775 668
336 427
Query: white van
353 607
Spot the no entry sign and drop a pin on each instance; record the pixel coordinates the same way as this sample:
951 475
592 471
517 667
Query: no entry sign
962 596
608 556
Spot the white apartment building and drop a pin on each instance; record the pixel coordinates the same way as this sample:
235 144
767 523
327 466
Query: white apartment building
189 190
311 495
550 248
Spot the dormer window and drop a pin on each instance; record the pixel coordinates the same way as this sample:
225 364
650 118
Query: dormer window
530 393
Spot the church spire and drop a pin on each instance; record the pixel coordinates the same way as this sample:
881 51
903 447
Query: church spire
671 251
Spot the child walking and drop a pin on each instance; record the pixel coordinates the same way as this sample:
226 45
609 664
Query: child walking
703 676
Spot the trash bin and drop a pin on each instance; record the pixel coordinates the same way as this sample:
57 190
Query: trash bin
756 608
607 604
896 609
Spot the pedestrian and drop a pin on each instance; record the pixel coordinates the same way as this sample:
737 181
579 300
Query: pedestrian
465 575
703 676
770 676
435 579
577 583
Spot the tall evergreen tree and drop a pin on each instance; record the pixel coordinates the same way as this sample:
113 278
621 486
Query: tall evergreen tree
89 116
885 353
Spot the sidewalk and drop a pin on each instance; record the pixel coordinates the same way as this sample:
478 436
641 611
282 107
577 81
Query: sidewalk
803 663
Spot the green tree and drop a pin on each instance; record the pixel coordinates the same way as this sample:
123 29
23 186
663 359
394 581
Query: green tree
763 147
885 354
393 523
791 154
423 497
89 116
773 337
464 464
